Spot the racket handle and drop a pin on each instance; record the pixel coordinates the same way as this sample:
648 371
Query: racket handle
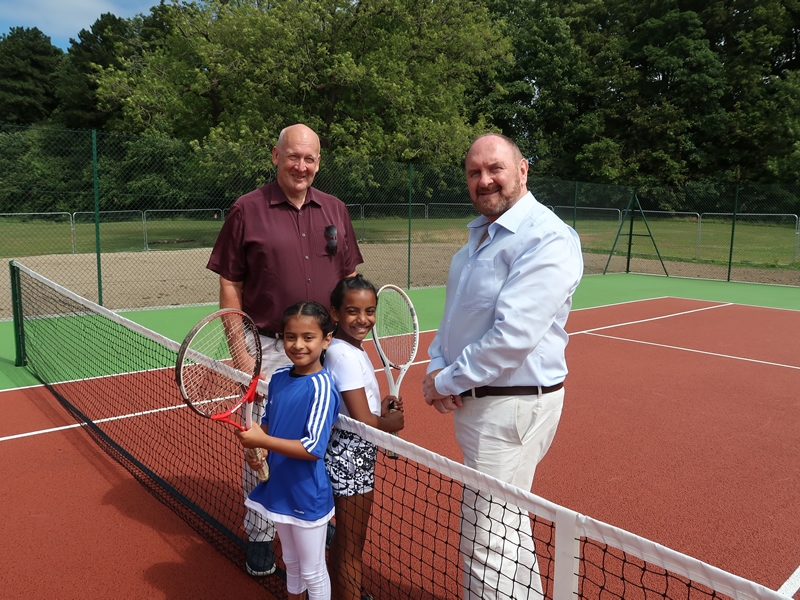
263 472
392 453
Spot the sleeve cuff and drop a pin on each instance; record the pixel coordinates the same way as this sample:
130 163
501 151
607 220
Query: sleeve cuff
444 383
436 364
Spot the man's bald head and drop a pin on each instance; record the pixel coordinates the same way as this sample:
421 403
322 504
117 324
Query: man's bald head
297 133
512 145
296 157
497 174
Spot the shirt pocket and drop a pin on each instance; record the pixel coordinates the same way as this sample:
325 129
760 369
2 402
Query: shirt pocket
478 292
319 240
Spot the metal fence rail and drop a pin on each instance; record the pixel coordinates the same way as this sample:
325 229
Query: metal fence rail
160 204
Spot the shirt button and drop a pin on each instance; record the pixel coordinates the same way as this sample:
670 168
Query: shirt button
469 266
309 281
303 234
306 258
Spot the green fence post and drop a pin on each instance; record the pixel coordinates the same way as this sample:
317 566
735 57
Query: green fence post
630 233
733 229
97 219
16 307
410 198
575 208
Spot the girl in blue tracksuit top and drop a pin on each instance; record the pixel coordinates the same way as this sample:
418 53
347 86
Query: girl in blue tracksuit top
301 409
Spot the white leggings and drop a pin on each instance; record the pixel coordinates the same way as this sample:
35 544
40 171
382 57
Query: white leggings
304 556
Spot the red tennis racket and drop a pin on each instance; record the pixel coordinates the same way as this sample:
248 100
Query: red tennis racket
218 369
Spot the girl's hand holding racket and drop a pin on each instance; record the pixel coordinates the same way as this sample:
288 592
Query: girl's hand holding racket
392 411
218 370
390 403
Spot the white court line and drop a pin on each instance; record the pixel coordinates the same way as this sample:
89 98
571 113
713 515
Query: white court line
623 303
789 589
106 420
678 314
742 358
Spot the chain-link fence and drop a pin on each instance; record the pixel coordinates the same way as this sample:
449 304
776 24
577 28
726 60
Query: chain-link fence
130 220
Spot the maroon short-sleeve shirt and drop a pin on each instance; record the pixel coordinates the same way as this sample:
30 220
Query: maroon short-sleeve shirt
279 252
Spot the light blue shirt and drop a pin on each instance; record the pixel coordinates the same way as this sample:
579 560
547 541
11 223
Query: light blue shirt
508 301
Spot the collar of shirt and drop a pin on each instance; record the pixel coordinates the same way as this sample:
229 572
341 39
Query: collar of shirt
278 197
509 221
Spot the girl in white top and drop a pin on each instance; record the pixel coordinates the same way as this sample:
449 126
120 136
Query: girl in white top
350 459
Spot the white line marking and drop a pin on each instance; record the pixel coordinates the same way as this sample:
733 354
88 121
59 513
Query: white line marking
789 589
753 360
106 420
686 312
622 303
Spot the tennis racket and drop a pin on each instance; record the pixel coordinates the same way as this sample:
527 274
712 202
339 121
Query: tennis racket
218 369
396 335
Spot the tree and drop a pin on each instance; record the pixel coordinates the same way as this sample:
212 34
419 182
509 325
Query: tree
96 48
28 62
650 93
379 78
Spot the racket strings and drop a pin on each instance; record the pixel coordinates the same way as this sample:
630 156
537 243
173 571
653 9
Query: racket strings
225 341
394 328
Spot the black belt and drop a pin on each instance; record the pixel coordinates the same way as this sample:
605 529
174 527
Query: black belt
514 390
269 334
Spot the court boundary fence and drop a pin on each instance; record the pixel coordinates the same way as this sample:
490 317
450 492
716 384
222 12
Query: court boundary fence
573 531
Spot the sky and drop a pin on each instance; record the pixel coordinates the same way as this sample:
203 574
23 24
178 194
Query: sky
63 19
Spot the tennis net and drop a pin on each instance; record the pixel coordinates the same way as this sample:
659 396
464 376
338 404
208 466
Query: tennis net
117 378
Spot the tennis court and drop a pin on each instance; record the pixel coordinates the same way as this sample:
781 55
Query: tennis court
679 426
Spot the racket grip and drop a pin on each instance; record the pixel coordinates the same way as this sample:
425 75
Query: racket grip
392 453
263 472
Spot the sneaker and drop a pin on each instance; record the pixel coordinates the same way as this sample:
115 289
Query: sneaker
260 559
329 534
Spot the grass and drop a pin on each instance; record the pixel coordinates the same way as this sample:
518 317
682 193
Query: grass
764 242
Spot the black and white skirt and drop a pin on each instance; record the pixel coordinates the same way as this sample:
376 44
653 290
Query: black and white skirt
350 461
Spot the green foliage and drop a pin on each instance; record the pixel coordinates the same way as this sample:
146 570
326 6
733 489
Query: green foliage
379 78
28 62
76 87
653 93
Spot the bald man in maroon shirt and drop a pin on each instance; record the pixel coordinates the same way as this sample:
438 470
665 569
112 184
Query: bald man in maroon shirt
282 243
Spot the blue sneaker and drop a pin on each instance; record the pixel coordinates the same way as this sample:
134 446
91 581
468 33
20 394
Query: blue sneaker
260 559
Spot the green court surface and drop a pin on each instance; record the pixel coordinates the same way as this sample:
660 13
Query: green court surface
595 290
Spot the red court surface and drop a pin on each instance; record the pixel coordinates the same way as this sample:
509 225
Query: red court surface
680 424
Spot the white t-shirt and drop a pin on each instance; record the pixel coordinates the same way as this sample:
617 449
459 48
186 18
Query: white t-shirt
351 369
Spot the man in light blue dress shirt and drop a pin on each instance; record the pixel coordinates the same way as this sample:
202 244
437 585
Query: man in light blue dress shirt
497 361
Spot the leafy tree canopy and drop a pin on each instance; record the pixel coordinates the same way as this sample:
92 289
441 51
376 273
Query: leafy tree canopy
28 62
379 78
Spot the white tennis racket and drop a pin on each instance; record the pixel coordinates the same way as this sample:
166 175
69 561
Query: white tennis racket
218 369
396 335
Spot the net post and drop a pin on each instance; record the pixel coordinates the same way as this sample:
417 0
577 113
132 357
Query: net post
567 555
16 304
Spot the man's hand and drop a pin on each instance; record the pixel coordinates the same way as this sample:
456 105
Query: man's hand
444 404
447 404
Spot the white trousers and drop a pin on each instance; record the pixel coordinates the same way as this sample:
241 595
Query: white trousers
257 527
303 550
505 437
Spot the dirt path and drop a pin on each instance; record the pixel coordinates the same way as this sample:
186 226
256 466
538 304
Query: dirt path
179 277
